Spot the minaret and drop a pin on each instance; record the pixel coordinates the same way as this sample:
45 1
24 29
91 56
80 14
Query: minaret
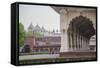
30 30
30 40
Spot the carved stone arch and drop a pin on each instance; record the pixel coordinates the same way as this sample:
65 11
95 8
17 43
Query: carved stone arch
80 31
81 22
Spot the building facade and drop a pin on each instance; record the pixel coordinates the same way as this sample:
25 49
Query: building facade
46 43
77 26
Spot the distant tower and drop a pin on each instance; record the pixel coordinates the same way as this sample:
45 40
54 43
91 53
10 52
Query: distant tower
37 28
57 31
30 30
53 31
30 40
43 29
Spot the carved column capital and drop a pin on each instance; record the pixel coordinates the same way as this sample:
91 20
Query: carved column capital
63 11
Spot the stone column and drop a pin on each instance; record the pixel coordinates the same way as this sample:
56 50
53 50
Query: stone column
69 34
87 44
78 40
85 48
71 43
64 34
81 42
75 39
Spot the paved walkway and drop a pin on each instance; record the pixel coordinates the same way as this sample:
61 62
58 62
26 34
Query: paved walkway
28 57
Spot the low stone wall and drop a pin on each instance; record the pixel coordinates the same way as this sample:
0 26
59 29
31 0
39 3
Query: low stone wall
78 54
54 60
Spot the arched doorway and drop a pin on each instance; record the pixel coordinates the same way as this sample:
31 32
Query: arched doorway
79 33
26 49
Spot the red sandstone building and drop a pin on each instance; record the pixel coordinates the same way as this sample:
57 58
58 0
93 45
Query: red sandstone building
49 45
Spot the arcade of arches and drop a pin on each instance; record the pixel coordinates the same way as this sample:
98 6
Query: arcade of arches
77 26
79 33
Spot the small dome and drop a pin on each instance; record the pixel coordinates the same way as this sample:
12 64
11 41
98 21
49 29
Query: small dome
31 26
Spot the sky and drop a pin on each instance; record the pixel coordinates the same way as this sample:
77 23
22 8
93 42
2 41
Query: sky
44 16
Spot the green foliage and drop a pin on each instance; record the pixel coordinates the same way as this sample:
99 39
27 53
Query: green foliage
37 34
22 34
34 34
30 33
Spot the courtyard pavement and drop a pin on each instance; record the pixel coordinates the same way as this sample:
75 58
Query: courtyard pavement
42 56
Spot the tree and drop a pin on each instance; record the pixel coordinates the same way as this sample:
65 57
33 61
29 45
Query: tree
22 34
37 34
34 33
